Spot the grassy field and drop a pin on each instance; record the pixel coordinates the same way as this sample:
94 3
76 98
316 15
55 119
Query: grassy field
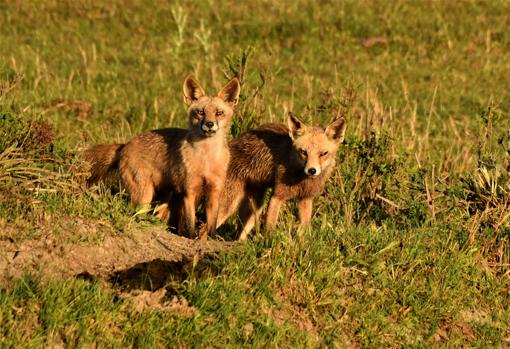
409 245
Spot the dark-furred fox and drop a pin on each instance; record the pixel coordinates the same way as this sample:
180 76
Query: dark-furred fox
294 160
180 165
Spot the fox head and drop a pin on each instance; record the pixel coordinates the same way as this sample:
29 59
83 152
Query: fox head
209 115
315 148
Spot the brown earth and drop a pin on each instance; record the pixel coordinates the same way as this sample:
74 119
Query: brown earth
118 258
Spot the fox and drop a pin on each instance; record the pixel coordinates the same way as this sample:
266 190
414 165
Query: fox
174 166
294 160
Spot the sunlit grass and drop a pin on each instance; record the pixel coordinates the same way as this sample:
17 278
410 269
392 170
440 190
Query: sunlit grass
409 243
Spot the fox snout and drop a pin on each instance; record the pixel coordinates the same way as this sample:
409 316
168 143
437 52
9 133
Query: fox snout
311 163
209 127
312 170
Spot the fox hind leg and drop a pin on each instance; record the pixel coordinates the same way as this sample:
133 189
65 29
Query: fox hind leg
229 202
176 220
139 187
249 212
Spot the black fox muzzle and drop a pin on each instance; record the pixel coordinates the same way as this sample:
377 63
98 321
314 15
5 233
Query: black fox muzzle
208 127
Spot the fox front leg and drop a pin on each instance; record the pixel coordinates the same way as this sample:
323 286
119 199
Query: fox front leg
305 211
273 210
189 214
211 212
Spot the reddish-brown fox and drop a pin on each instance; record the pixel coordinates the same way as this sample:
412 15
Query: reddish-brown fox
176 165
294 160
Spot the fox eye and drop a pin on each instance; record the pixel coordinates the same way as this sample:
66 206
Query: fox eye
302 151
324 153
201 112
219 113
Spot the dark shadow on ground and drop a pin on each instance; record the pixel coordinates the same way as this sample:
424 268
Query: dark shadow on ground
156 274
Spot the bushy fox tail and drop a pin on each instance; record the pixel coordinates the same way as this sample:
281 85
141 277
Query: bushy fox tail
103 160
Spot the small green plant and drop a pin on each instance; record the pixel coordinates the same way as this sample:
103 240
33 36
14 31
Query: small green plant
248 114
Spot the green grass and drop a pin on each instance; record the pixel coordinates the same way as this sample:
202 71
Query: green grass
409 245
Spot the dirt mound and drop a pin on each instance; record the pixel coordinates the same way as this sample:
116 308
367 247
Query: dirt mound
116 257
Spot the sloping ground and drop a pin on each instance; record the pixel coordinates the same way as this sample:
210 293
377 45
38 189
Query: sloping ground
115 257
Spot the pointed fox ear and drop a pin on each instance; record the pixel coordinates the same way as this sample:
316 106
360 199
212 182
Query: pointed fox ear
230 92
296 127
336 130
192 90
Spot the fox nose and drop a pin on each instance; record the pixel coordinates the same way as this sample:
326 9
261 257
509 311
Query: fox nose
312 171
209 124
